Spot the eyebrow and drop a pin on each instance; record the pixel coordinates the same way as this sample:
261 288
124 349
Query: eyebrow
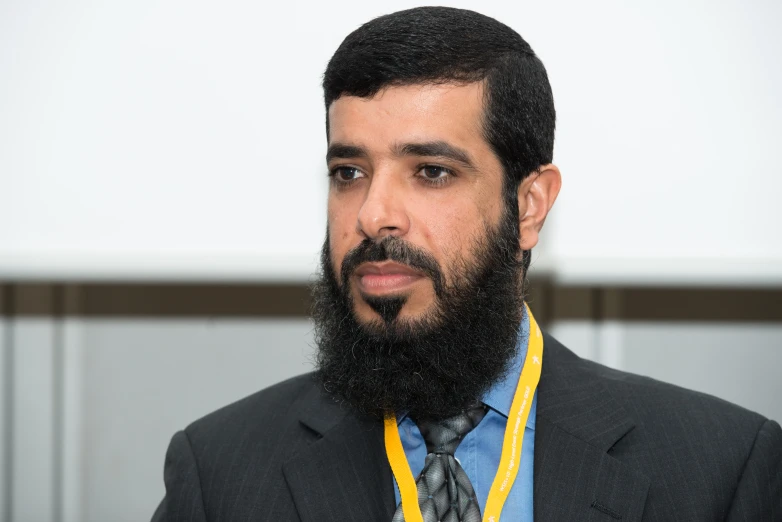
437 149
344 151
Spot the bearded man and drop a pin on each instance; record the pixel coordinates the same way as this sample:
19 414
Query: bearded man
436 397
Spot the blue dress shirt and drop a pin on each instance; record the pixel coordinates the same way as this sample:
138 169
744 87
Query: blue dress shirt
479 453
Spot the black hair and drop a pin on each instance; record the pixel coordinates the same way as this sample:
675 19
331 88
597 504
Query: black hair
431 45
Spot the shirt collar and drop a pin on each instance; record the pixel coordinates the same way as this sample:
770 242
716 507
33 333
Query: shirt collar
500 396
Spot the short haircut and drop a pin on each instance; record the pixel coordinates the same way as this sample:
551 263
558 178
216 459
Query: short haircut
435 45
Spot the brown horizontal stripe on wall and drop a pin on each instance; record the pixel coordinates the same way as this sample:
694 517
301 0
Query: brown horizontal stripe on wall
667 304
549 301
706 304
156 300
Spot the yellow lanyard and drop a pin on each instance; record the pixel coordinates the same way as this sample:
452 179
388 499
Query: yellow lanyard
511 446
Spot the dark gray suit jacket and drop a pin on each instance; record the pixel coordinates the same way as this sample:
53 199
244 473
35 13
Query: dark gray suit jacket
608 446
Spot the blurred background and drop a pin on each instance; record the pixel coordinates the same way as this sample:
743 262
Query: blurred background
163 188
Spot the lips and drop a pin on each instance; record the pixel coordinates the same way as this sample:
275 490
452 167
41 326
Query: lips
386 277
386 268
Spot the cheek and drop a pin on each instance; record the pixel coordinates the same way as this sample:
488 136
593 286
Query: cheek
455 224
451 231
342 214
341 231
449 234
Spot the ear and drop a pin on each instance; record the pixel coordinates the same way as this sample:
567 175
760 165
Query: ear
536 196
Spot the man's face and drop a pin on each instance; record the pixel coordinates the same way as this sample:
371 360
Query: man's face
410 162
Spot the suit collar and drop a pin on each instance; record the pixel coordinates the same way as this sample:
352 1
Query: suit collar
343 474
576 400
317 411
578 422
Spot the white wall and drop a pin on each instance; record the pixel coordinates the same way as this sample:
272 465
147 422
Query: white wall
178 139
669 120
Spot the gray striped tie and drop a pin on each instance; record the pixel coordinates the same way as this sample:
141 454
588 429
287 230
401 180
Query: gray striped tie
444 491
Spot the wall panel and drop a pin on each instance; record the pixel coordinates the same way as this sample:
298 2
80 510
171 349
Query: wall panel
144 379
6 383
34 493
738 362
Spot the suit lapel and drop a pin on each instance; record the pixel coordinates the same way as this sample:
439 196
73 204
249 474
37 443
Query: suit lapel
344 474
577 423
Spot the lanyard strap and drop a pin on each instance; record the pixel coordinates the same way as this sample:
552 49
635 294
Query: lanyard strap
511 446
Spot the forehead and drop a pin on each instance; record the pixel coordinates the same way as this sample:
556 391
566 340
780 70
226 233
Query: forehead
410 113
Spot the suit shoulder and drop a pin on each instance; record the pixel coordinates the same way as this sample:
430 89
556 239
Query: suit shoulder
645 394
689 444
661 405
274 405
241 448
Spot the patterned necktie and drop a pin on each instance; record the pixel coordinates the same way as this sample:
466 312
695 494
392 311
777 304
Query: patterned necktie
444 491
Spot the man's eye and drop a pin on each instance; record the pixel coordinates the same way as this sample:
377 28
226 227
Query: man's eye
346 174
435 172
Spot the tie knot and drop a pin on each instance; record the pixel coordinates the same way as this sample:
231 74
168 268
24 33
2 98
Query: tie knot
444 436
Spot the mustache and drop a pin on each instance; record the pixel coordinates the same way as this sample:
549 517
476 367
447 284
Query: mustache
392 248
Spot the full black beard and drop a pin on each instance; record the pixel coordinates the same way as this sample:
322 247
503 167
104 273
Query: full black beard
433 366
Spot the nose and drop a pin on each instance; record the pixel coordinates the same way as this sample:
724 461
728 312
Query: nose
383 212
